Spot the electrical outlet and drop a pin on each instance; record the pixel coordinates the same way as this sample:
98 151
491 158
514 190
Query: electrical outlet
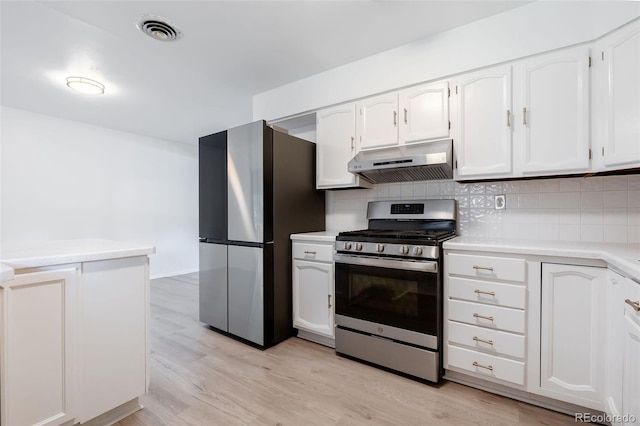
500 202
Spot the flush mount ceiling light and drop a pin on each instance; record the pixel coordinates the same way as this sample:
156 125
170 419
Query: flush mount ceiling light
85 85
158 28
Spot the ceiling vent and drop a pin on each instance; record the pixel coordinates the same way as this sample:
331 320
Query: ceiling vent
158 28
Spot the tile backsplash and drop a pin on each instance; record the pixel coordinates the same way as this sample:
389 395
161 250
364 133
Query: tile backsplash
597 208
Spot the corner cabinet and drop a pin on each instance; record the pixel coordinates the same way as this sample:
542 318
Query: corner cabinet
623 350
39 348
617 98
313 290
335 147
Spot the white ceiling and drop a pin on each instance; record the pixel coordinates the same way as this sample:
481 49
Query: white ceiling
203 82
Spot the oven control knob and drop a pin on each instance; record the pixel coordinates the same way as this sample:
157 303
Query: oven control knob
404 250
358 247
347 246
380 248
417 251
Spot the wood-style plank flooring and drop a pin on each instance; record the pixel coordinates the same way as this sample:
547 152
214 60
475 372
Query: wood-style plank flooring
199 377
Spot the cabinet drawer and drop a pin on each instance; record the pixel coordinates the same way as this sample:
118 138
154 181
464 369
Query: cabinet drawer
320 252
486 365
497 268
513 296
491 341
495 317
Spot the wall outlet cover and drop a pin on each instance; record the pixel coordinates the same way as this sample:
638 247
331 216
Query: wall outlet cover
500 202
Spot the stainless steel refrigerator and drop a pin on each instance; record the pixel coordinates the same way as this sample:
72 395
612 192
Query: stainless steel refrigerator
256 187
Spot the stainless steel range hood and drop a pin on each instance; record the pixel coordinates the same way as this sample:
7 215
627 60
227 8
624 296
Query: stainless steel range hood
418 161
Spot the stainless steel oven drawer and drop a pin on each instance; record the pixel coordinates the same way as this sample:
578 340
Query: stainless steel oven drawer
406 359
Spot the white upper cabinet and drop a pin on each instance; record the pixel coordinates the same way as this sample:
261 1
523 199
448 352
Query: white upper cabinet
412 115
552 110
617 90
335 146
424 112
481 124
378 121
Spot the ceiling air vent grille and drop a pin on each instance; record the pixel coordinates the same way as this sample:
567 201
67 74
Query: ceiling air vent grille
158 28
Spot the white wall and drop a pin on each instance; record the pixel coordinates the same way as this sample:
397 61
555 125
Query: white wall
520 32
63 179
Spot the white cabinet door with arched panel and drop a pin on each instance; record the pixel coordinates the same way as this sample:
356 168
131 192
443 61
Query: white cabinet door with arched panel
572 330
481 124
553 113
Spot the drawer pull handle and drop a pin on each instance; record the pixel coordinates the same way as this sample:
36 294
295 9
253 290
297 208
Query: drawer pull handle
634 305
309 252
488 342
484 268
488 367
329 300
490 293
483 317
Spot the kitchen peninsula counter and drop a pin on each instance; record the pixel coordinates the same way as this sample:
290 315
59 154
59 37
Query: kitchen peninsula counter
74 331
624 258
48 253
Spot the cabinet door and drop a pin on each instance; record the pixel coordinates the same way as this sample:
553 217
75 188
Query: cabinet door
554 113
621 54
571 349
113 328
378 121
313 297
336 145
481 127
614 344
424 112
39 376
630 296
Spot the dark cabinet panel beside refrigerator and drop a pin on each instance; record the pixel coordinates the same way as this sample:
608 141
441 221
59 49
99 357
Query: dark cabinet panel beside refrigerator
257 186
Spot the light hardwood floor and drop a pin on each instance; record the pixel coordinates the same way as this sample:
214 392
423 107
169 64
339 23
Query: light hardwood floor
199 377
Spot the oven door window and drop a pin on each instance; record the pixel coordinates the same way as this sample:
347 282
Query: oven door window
395 297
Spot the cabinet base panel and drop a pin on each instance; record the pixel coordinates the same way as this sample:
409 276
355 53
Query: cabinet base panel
115 415
519 395
316 338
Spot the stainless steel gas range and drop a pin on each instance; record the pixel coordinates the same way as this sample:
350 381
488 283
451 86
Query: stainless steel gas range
388 286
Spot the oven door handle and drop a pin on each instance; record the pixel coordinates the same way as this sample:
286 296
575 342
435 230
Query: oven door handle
422 266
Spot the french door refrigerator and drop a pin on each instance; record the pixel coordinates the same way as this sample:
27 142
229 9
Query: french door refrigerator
256 187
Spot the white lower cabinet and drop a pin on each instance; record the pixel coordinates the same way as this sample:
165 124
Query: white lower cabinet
113 331
485 328
38 348
74 343
623 350
313 280
547 330
571 334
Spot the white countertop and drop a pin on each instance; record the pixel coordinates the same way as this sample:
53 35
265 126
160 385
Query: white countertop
48 253
622 257
6 273
327 236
